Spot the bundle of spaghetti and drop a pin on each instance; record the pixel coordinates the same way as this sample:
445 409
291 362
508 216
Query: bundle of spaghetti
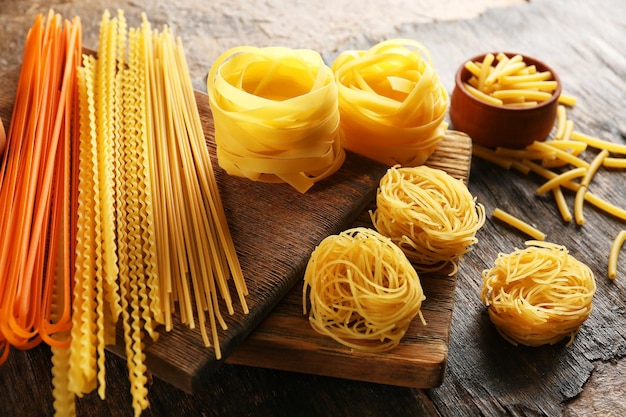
538 295
35 280
391 101
362 290
429 214
200 244
276 115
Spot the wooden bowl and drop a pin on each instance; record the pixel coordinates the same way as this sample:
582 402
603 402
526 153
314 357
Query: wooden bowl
492 125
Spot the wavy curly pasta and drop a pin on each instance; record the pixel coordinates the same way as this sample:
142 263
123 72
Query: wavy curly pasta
429 214
392 102
276 115
363 291
538 295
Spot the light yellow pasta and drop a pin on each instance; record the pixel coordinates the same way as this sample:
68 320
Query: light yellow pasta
510 82
538 295
429 214
599 143
276 115
584 184
362 290
519 224
559 179
616 247
492 156
614 162
567 100
566 213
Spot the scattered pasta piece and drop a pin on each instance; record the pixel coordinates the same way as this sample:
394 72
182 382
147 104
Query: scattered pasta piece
362 290
392 102
519 224
584 184
616 247
429 214
538 295
567 100
276 115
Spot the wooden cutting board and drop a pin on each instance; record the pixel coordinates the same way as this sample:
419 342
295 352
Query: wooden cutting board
275 228
286 341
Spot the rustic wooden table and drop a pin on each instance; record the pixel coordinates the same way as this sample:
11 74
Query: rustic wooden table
485 376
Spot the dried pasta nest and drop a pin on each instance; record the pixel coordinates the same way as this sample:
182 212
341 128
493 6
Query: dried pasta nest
429 214
538 295
363 291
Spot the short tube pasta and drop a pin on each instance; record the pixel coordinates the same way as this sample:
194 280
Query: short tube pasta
538 295
429 214
362 290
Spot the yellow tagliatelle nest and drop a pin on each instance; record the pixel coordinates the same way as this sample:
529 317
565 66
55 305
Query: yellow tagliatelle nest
276 115
538 295
363 291
429 214
392 102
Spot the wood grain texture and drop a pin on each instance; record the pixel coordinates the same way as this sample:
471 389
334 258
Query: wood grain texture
286 341
485 376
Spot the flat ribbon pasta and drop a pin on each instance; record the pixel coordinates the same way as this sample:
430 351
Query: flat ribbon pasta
538 295
429 214
363 291
276 115
392 102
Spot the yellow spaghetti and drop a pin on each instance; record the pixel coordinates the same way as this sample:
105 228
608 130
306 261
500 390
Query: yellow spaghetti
363 291
276 115
392 102
538 295
429 214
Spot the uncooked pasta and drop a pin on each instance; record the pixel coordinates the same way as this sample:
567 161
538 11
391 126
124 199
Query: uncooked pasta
363 291
276 115
429 214
538 295
392 102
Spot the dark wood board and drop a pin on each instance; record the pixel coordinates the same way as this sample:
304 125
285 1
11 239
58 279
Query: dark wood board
286 341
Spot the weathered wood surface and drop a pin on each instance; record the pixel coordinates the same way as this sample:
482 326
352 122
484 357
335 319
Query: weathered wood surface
485 376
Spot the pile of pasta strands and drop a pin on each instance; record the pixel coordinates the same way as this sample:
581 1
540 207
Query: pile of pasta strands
538 295
276 115
392 102
111 211
429 214
35 236
362 290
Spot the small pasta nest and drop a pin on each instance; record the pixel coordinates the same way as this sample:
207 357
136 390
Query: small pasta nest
538 295
363 291
429 214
